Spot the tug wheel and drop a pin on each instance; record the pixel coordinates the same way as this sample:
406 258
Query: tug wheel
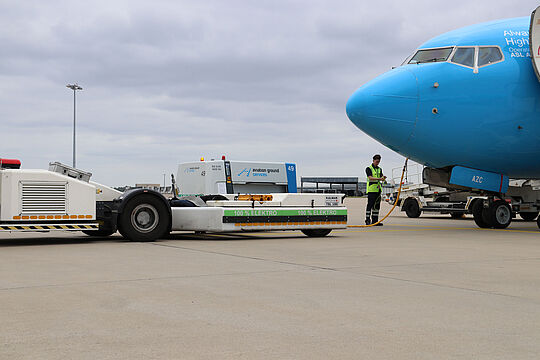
99 233
316 232
144 218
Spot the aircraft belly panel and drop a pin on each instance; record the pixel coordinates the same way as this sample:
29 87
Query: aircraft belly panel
478 179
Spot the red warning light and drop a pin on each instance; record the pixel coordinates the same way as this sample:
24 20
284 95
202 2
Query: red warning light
10 164
222 157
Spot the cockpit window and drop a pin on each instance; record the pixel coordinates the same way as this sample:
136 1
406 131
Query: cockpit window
488 55
431 55
464 56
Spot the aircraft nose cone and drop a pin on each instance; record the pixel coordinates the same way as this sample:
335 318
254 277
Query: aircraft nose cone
386 107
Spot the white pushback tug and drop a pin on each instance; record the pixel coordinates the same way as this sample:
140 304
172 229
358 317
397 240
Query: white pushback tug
64 198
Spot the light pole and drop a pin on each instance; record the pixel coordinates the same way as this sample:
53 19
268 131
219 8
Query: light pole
74 87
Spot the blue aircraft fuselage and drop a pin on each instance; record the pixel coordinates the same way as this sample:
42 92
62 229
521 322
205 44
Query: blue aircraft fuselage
469 98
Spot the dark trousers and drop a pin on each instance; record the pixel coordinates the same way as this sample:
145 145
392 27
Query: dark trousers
373 206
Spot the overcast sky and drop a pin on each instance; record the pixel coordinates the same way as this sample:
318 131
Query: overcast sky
167 82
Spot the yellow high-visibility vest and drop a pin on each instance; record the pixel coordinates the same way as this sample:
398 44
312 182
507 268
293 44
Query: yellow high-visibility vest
374 186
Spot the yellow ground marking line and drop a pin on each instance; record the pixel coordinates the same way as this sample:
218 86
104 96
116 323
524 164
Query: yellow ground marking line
391 224
356 226
398 230
415 225
420 228
507 230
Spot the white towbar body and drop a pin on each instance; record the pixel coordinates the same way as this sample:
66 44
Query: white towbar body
282 211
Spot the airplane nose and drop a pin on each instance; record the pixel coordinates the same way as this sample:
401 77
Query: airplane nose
386 107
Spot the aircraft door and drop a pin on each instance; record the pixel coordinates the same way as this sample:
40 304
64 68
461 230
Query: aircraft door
534 41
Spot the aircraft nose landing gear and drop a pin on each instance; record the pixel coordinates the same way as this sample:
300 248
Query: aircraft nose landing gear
500 214
497 214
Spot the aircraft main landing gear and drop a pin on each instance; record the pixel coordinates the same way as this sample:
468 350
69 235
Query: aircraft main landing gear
494 214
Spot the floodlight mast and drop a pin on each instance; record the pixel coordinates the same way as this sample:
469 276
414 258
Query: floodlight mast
74 87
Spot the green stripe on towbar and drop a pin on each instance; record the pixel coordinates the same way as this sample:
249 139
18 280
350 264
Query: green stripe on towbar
275 212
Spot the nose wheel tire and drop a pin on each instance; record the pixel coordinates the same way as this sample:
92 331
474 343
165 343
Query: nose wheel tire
316 232
145 218
480 214
500 214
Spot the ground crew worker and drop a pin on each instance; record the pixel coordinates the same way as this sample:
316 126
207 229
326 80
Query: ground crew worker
375 178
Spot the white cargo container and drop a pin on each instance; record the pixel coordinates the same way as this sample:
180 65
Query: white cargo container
236 177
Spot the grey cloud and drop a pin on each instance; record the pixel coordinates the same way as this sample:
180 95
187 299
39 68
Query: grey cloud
169 81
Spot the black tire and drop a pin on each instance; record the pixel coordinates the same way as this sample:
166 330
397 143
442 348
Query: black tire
144 218
411 208
480 214
316 232
500 214
456 215
528 216
538 222
471 205
99 233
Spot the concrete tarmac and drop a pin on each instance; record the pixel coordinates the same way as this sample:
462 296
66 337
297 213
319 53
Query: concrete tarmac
427 288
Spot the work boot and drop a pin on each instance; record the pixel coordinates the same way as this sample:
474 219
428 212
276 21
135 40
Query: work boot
368 222
379 224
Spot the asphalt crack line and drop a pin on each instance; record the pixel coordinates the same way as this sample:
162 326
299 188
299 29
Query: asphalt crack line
140 279
315 267
246 257
440 263
484 292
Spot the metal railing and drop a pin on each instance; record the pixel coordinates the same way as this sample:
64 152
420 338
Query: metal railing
413 175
